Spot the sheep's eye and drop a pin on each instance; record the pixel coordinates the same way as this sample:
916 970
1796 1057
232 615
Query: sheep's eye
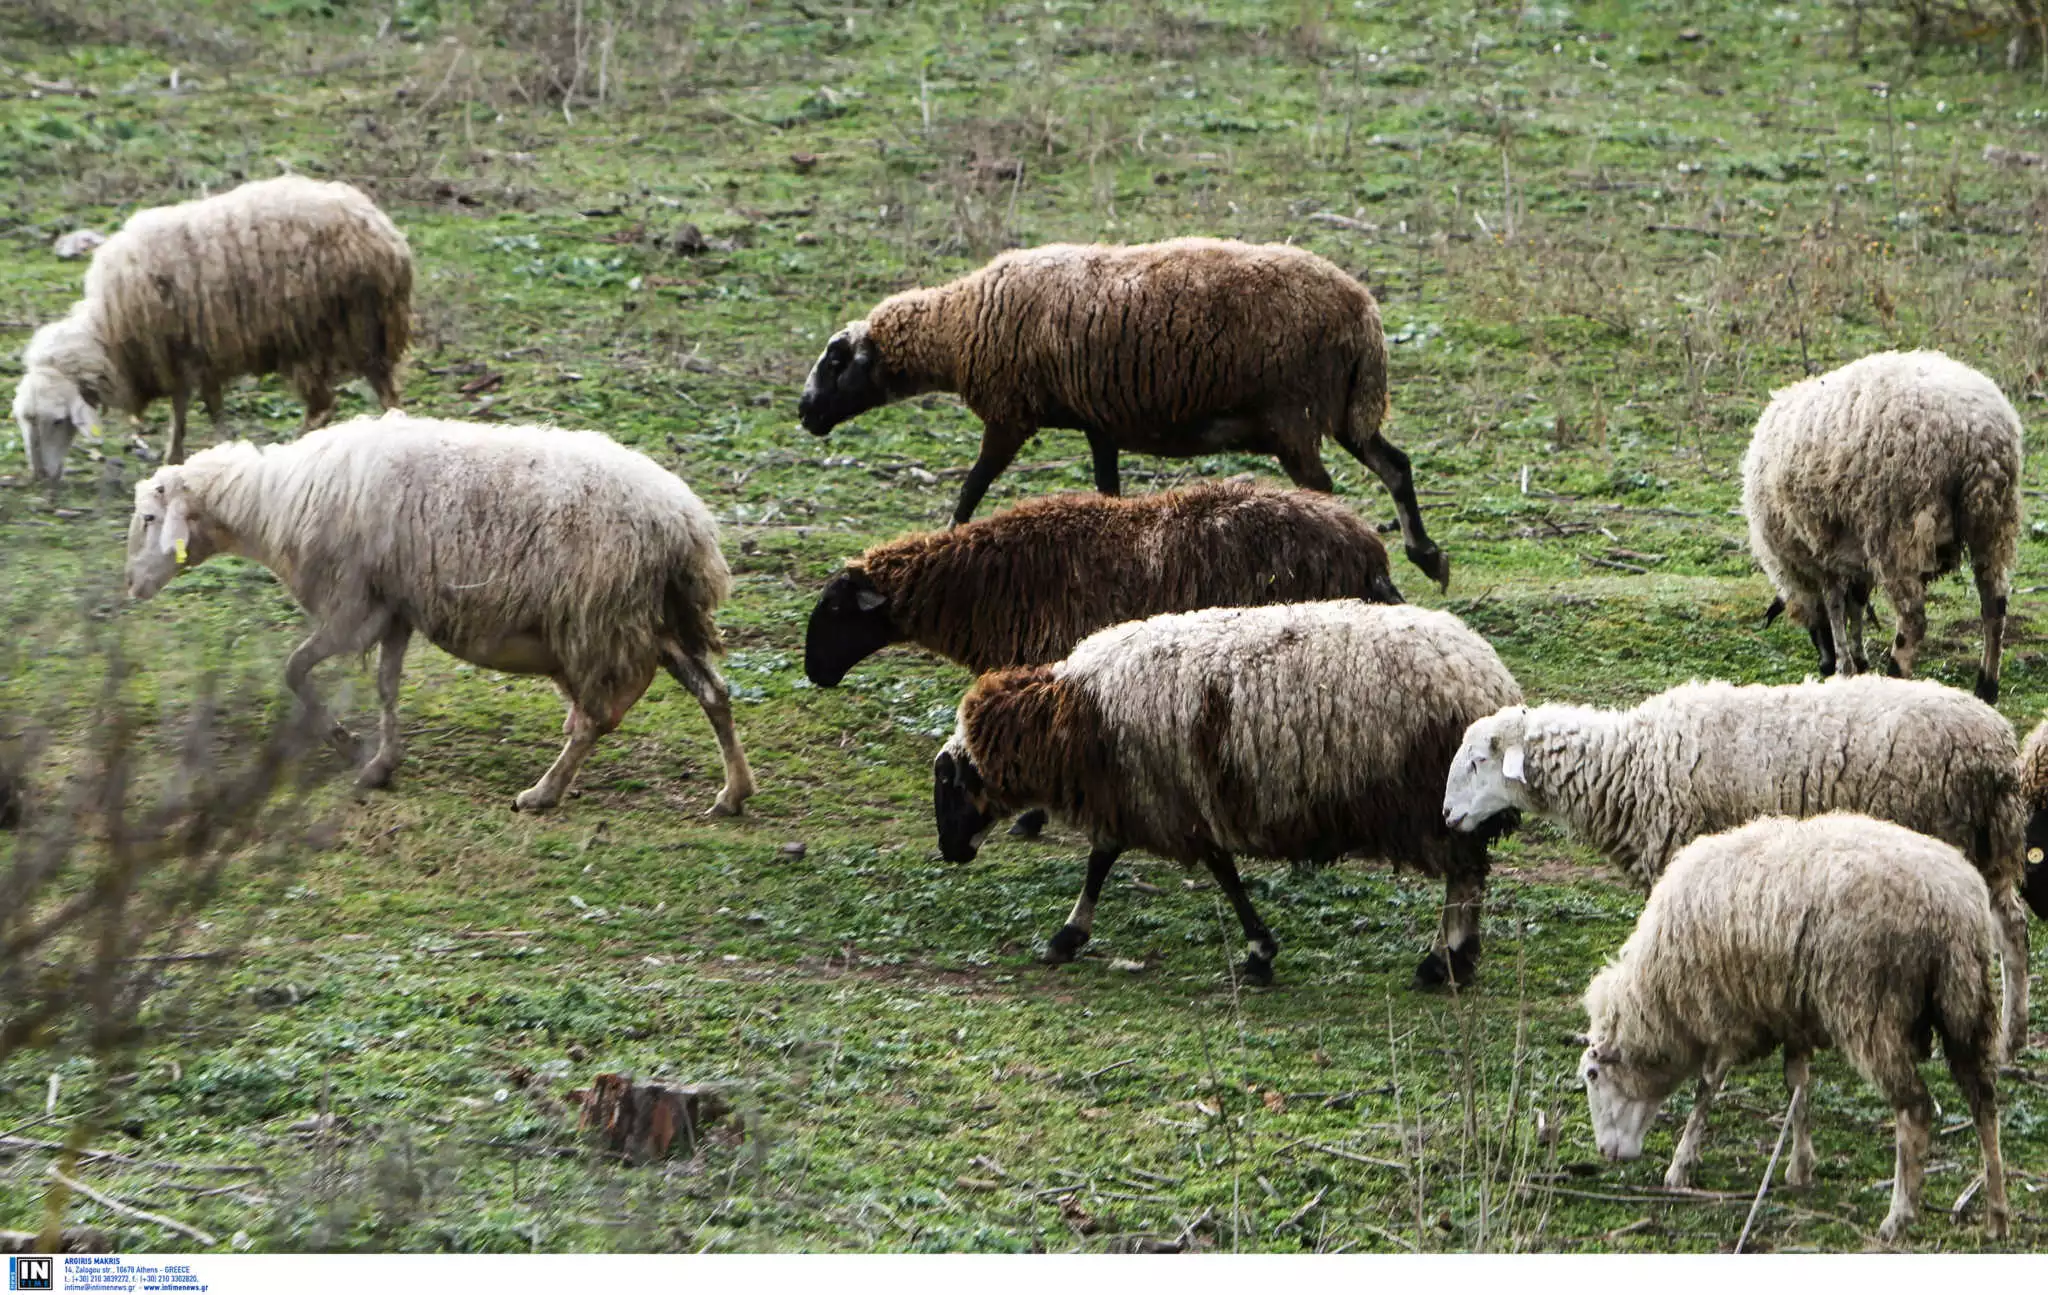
149 519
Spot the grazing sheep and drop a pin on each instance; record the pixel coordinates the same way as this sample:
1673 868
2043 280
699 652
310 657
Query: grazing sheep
1880 474
1704 757
1300 731
529 550
1836 931
2033 790
288 276
1188 347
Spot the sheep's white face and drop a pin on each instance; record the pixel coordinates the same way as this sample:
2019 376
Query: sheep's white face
1486 774
159 534
51 411
1623 1100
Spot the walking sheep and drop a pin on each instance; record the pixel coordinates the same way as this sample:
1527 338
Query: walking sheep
1704 757
1881 474
1301 731
1836 931
1188 347
523 549
2033 790
288 276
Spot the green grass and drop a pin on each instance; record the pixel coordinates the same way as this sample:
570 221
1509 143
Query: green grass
1601 234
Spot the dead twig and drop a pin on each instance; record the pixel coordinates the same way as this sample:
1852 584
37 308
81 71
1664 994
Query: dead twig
1763 1188
122 1207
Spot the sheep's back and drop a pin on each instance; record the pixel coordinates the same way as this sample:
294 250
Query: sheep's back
1129 338
1279 730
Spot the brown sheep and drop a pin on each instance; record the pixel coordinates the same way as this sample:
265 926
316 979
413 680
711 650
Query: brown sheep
1188 347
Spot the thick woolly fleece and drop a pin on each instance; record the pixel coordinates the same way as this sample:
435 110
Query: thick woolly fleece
1286 732
1882 474
1027 584
1839 931
292 276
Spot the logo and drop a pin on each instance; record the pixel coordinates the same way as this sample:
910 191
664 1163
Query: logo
31 1273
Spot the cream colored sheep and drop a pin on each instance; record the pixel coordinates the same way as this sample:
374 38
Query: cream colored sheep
1882 474
1187 347
1639 784
289 276
529 550
1837 931
1298 731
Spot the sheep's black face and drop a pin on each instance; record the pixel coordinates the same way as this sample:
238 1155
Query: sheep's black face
849 624
2035 887
958 805
846 381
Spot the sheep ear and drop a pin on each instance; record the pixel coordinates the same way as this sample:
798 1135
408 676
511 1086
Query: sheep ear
177 528
83 416
869 600
1511 763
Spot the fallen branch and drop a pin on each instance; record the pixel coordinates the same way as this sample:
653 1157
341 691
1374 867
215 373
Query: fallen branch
1343 222
1611 565
123 1207
1763 1188
89 1156
1301 1213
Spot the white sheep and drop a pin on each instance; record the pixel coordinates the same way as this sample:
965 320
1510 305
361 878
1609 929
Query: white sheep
289 276
1639 784
529 550
1837 931
1295 731
1882 473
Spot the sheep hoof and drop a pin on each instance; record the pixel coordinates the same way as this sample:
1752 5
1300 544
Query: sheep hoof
1430 560
1065 945
1799 1174
533 798
719 809
1028 825
375 776
1893 1227
1995 1223
1256 971
1987 689
1677 1178
1456 968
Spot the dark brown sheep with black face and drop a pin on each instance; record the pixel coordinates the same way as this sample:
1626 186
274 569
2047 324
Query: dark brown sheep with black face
1187 347
1025 585
2033 785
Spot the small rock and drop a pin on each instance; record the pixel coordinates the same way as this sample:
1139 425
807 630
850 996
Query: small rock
803 161
792 849
1690 34
687 240
77 243
1125 964
807 239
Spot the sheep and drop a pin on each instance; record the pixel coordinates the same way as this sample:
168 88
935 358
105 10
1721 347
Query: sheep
1703 757
1189 347
1833 931
1298 731
287 276
529 550
1880 474
2033 791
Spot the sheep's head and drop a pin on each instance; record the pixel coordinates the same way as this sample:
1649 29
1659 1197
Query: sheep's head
848 380
1487 776
850 623
2035 886
1623 1098
51 410
162 539
960 801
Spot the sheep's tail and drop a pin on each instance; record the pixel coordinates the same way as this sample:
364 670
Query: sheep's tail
689 598
1965 1006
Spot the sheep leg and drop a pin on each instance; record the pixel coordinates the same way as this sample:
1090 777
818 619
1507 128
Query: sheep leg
330 639
210 393
390 669
584 728
1029 824
704 681
1068 940
1455 960
1260 946
1909 598
1992 588
1974 1075
181 400
2013 938
999 446
1687 1157
1799 1172
1857 603
1836 601
1915 1112
1103 450
319 398
1391 465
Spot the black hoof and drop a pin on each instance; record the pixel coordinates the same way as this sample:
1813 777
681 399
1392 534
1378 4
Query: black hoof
1430 560
1028 825
1255 971
1987 689
1445 968
1892 668
1065 944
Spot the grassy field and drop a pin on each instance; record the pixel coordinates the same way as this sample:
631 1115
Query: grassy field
1600 233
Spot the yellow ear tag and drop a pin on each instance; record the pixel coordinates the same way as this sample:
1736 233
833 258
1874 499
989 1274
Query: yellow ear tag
178 551
2034 855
